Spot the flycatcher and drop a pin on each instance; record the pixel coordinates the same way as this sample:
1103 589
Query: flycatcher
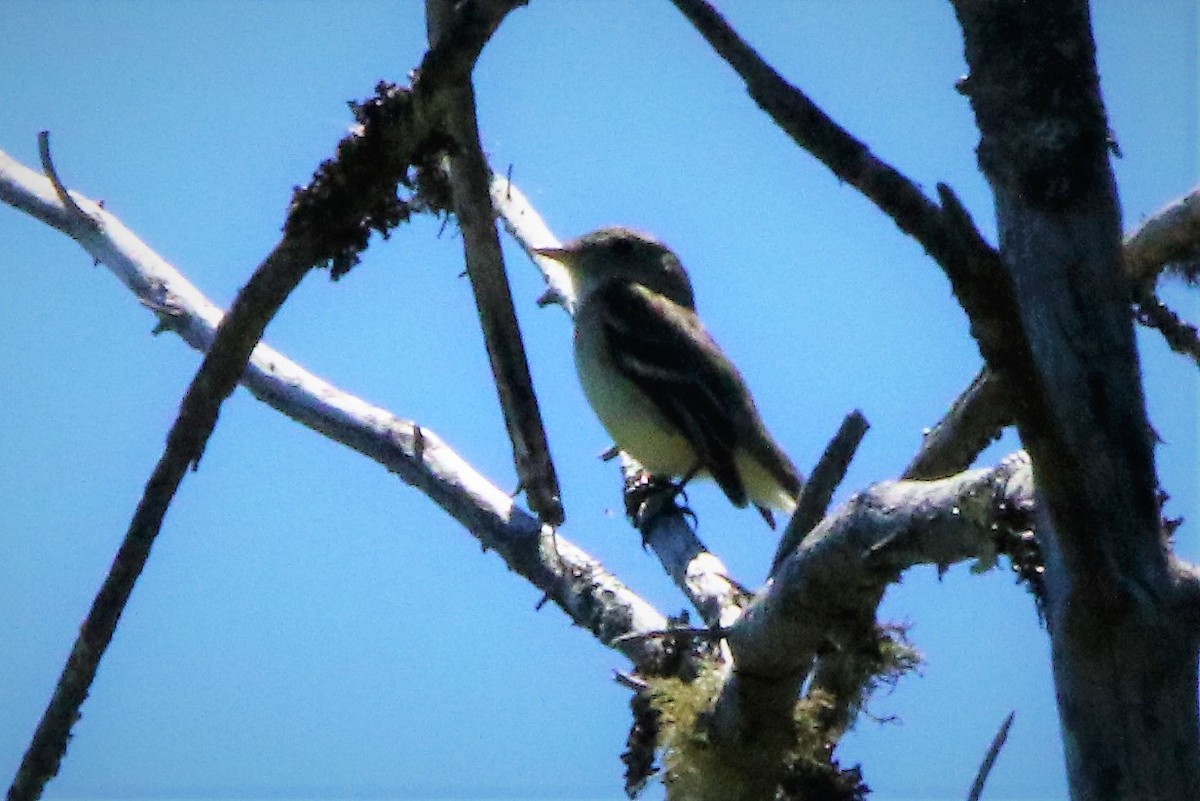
663 389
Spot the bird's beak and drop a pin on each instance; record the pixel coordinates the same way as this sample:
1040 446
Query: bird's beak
561 255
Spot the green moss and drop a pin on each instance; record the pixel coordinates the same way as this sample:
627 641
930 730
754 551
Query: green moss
694 770
798 765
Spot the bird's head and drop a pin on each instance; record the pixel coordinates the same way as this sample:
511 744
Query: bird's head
622 254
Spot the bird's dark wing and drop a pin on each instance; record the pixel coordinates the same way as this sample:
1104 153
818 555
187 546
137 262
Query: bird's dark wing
664 349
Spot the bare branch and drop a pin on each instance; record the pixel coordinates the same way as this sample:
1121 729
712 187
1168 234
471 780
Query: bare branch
1169 238
700 574
258 301
1182 337
530 231
818 490
840 573
470 180
946 232
592 597
974 421
306 243
989 759
812 129
60 189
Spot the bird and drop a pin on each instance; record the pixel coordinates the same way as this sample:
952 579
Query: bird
660 385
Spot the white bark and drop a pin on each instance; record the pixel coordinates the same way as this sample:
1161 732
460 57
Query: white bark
594 598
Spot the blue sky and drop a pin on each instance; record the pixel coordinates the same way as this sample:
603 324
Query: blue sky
309 626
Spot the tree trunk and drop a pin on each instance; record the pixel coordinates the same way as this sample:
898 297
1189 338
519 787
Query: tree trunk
1124 661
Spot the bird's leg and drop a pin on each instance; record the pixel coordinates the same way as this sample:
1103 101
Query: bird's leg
678 489
681 486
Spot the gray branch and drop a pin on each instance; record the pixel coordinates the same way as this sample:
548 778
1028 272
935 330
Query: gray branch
1168 238
578 583
840 572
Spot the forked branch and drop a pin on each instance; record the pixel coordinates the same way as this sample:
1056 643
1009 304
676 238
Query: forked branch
307 243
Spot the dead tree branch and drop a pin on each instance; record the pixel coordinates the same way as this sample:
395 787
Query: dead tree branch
974 421
1180 336
946 231
275 278
470 179
526 226
989 759
1167 240
813 130
822 483
652 507
840 572
592 597
328 223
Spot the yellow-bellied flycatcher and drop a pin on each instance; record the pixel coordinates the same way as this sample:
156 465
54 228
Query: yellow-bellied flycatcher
661 386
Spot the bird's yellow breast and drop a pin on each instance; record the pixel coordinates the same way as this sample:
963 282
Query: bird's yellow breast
630 417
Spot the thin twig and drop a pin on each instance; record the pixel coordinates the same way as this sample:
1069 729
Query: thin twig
716 633
989 759
828 474
59 188
630 682
811 128
523 222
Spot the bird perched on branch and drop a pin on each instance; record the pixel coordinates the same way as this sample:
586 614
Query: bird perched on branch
663 389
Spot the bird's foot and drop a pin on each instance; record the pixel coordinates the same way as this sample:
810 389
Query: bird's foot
648 497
